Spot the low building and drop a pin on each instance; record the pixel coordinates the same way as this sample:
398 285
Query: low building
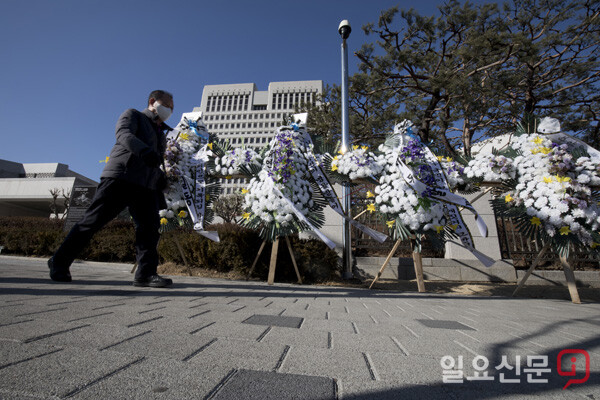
26 189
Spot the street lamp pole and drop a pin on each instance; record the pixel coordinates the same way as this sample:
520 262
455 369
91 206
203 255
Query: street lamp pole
344 30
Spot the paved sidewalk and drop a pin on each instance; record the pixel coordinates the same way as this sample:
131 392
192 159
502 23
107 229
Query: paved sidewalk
101 338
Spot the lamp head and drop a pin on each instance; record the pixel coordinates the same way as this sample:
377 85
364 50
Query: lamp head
344 29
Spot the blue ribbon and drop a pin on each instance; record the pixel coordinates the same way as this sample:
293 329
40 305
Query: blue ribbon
194 127
295 127
410 133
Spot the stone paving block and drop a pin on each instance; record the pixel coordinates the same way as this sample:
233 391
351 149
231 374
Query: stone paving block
31 330
198 322
398 367
261 385
63 372
380 390
335 326
327 362
160 344
238 353
92 336
233 330
364 343
12 352
298 338
437 347
156 378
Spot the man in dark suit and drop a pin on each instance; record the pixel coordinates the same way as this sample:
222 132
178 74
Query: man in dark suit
132 178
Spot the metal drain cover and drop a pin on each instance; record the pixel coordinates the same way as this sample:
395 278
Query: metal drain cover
441 324
275 320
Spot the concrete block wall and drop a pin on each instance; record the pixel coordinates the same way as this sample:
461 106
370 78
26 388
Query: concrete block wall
487 245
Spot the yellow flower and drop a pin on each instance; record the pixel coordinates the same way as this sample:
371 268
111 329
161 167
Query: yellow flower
244 191
453 226
228 177
594 245
545 150
562 179
535 151
565 230
164 221
536 221
246 215
184 136
508 198
355 147
440 158
390 223
439 228
538 140
371 207
370 194
182 214
365 148
210 145
448 159
334 167
547 179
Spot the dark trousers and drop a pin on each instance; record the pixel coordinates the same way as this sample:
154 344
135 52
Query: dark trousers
112 196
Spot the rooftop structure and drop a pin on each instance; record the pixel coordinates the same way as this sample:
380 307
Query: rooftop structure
25 189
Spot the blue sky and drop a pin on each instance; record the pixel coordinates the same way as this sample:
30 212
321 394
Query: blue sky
70 67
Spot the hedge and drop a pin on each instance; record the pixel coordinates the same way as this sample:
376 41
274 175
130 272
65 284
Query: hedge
237 249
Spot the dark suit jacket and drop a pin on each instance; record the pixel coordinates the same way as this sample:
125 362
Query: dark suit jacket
136 134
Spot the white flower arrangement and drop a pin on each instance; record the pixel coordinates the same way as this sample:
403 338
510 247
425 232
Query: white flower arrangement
490 168
398 202
552 194
179 162
230 162
357 163
285 173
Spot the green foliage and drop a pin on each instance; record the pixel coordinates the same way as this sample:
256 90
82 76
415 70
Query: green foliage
34 236
237 249
114 243
30 236
470 71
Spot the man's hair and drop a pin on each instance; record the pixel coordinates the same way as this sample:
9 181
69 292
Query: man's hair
159 95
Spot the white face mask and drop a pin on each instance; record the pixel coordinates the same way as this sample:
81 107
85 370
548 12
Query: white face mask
163 112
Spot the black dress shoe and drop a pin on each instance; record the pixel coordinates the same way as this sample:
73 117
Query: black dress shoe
153 281
58 274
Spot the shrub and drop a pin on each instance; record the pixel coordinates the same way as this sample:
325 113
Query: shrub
30 236
238 247
236 251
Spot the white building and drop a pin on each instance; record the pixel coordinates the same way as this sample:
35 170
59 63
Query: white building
248 117
25 188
